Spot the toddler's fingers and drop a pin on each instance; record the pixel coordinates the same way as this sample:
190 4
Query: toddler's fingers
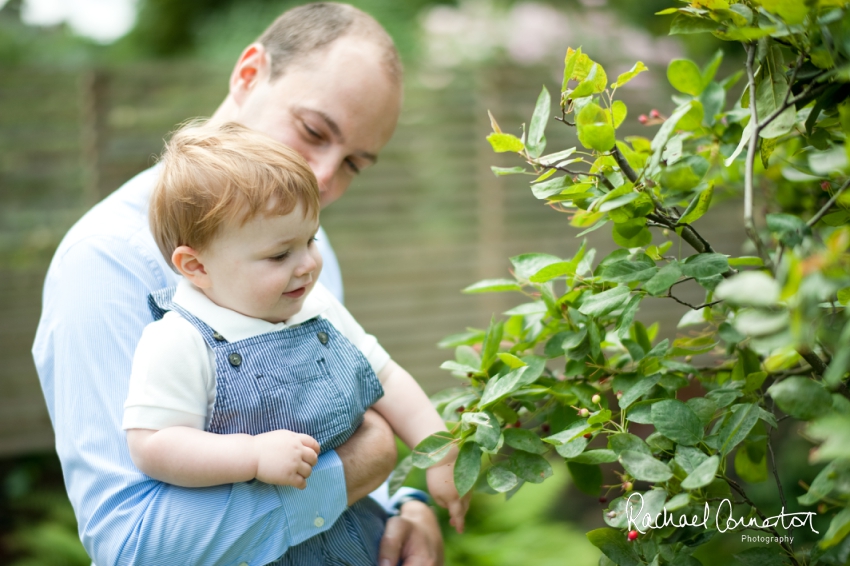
304 470
457 510
309 455
298 482
310 442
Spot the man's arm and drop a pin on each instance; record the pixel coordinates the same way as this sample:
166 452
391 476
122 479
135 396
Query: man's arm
93 315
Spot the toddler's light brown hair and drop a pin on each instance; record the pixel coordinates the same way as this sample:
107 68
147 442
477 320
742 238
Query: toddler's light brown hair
215 174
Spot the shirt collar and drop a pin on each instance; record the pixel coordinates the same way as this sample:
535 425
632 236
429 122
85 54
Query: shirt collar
235 326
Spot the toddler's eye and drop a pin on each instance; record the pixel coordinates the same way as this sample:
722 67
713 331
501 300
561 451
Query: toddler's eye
280 257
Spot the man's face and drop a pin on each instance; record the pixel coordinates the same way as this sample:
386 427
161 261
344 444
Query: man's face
337 109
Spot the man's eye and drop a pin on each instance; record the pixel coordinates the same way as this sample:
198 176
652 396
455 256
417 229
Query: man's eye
352 166
311 132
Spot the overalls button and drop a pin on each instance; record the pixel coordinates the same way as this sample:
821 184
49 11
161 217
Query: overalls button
319 522
234 359
218 337
323 337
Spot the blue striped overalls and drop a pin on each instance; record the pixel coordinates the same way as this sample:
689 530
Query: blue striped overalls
309 379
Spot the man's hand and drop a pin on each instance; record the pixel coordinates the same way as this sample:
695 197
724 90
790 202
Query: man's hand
368 456
414 537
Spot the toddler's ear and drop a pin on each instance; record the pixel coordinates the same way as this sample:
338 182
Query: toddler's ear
187 261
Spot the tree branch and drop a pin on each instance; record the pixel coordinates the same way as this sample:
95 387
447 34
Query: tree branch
752 146
822 212
785 546
670 295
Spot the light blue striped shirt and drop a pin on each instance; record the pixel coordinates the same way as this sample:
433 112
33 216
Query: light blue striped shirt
94 311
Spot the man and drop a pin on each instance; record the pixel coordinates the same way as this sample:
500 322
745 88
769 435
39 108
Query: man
325 80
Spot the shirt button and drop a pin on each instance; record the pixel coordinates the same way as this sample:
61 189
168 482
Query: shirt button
323 337
319 522
243 564
218 337
234 359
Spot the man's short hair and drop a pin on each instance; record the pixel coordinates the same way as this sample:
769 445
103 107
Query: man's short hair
215 174
306 30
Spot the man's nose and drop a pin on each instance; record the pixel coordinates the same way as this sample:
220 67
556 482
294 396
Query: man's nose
324 172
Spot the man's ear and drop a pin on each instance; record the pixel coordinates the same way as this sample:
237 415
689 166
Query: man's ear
190 265
253 66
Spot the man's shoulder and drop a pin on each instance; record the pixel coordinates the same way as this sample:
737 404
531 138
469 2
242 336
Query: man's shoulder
120 216
118 225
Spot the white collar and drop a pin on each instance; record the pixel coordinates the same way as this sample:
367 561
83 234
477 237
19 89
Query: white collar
235 326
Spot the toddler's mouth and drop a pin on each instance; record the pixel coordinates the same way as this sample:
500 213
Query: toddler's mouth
296 293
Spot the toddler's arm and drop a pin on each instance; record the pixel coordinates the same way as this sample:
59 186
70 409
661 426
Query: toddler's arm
189 457
411 415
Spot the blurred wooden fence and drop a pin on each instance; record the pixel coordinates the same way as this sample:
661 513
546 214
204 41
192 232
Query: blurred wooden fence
429 220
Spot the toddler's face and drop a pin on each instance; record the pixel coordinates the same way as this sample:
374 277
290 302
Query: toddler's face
266 267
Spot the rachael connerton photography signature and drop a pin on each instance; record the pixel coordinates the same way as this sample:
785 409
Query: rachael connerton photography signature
643 521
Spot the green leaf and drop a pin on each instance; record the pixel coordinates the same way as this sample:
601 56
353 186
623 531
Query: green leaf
702 475
500 387
505 142
737 426
664 133
467 467
770 95
689 459
747 469
629 75
839 528
638 268
822 485
501 171
432 449
643 386
501 479
400 473
532 468
628 315
603 303
493 286
645 468
703 407
698 206
705 265
553 271
602 456
677 502
622 441
523 439
685 174
664 279
792 11
528 265
594 127
488 431
586 477
510 360
615 546
550 187
711 67
789 228
749 288
685 76
746 261
536 141
677 421
684 24
491 343
801 397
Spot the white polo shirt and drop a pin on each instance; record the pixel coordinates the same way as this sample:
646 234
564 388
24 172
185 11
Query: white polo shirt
173 377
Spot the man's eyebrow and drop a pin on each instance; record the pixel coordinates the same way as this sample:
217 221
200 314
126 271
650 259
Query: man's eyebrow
335 130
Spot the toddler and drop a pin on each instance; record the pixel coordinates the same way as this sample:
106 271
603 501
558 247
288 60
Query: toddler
252 368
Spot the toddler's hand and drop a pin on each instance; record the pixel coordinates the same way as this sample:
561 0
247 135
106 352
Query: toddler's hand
441 486
285 458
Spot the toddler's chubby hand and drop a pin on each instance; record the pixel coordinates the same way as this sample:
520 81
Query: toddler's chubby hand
441 486
285 458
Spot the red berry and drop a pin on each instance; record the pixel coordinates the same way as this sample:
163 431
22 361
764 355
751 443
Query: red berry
545 427
588 435
825 185
633 535
643 119
627 486
654 113
603 499
461 409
